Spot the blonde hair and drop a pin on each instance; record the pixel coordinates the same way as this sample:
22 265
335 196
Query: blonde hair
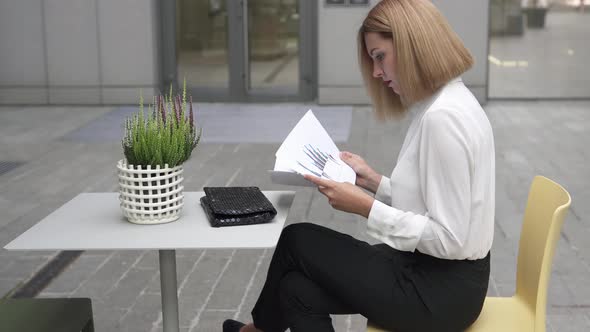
428 53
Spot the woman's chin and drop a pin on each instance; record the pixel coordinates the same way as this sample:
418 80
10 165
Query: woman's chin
394 88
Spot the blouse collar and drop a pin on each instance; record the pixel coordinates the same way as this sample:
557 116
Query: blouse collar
422 105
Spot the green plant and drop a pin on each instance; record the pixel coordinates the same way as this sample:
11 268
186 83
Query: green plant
165 135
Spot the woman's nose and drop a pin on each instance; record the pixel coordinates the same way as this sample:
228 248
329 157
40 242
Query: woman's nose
377 72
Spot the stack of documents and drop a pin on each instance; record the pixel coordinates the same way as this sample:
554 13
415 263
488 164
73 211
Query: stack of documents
308 149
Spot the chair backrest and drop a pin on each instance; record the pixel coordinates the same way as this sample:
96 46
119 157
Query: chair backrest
545 212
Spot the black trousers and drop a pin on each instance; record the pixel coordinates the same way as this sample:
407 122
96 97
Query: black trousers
316 271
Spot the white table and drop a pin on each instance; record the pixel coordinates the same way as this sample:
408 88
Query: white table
94 221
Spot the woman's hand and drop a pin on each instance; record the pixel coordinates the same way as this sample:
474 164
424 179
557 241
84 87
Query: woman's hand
366 177
344 196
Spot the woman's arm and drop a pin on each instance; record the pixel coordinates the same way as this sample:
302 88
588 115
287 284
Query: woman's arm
445 181
344 196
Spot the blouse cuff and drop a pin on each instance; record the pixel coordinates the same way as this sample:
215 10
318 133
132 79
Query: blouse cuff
398 229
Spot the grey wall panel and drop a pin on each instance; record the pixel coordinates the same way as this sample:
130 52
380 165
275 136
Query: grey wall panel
75 96
22 55
470 20
337 50
128 96
72 48
23 95
127 42
343 96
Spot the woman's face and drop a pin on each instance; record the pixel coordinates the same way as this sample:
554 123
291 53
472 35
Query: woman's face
380 49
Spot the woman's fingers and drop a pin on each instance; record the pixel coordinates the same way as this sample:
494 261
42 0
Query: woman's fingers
324 185
348 158
345 155
357 163
312 178
318 181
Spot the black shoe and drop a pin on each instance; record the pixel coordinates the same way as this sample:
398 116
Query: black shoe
231 325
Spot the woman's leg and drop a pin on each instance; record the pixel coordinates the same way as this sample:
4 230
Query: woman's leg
306 306
316 271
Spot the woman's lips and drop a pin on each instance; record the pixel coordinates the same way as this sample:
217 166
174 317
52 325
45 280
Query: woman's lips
387 83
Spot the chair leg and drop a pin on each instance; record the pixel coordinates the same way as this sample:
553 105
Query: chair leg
89 326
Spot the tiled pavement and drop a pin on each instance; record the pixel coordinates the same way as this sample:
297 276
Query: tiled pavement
532 138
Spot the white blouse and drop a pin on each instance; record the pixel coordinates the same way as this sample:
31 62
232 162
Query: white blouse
440 198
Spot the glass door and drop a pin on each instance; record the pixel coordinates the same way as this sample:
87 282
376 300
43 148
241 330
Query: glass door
240 50
201 45
273 46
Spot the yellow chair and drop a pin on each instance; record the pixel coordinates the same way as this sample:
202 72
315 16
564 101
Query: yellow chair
545 212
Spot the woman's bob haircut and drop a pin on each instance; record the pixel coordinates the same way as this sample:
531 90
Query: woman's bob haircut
429 53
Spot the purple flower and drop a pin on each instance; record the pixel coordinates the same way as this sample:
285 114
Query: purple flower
191 111
177 108
174 105
162 108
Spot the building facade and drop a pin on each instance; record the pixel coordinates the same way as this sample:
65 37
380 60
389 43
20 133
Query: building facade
103 52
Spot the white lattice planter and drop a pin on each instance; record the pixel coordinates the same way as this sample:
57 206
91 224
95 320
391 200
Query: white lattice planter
150 195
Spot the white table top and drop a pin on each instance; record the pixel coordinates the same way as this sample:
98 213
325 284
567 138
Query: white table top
94 221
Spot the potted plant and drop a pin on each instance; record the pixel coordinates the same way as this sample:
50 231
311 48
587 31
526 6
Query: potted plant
155 146
535 11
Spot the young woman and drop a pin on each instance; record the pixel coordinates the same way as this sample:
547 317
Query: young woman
434 215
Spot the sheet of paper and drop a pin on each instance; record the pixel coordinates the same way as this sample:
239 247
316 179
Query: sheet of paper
308 149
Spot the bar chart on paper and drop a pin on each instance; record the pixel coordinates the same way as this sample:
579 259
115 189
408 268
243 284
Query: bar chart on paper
308 149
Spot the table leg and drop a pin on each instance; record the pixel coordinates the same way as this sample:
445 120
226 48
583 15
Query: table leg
169 290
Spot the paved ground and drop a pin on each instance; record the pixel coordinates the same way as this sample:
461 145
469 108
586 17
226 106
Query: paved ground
548 138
